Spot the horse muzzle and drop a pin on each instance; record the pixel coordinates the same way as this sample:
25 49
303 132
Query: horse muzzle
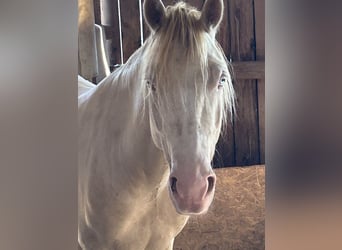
192 194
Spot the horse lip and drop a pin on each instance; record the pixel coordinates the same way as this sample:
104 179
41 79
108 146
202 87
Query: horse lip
190 213
194 210
189 207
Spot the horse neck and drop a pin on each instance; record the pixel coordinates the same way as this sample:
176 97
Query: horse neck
122 96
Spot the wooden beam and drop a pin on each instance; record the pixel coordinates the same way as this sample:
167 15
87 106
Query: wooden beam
259 16
249 70
242 42
130 27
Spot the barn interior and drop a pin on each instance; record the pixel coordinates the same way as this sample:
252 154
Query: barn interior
110 31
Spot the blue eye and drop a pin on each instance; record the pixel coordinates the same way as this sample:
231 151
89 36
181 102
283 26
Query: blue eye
222 82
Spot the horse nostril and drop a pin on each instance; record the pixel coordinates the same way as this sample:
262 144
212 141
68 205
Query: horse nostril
173 181
211 182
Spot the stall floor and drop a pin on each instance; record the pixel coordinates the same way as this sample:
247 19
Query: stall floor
236 218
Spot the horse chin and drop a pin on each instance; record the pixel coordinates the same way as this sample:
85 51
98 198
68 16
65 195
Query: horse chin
190 207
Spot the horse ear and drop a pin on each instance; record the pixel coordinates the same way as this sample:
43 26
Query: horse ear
154 12
212 13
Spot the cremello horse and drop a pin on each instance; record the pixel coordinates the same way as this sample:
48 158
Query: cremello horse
147 133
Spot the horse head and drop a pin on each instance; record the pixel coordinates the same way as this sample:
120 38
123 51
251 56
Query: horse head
190 93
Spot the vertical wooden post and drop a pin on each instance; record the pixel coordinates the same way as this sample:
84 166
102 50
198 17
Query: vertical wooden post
259 10
130 27
225 155
243 49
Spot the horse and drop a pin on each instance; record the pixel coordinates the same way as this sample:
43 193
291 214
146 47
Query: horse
147 132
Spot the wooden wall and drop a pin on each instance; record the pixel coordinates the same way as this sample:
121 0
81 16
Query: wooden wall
242 37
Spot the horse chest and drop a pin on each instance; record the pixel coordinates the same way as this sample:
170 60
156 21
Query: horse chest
150 223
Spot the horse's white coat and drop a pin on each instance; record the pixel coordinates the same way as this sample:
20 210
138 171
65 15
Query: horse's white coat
84 85
142 121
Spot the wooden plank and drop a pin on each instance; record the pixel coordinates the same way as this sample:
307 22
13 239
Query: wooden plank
223 34
261 114
249 70
246 124
246 132
242 30
130 27
225 149
225 155
259 13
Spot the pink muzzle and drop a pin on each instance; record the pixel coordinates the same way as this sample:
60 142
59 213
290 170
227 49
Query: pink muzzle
192 193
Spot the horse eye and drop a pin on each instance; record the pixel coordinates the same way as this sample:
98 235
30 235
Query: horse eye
223 80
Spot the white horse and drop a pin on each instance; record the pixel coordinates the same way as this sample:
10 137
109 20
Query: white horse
147 133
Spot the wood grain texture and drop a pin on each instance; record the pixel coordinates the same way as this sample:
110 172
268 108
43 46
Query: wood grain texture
241 30
225 154
249 70
243 49
261 117
130 27
225 150
259 13
246 124
223 32
236 219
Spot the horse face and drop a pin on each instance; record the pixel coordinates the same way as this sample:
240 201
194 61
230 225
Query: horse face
186 123
187 102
